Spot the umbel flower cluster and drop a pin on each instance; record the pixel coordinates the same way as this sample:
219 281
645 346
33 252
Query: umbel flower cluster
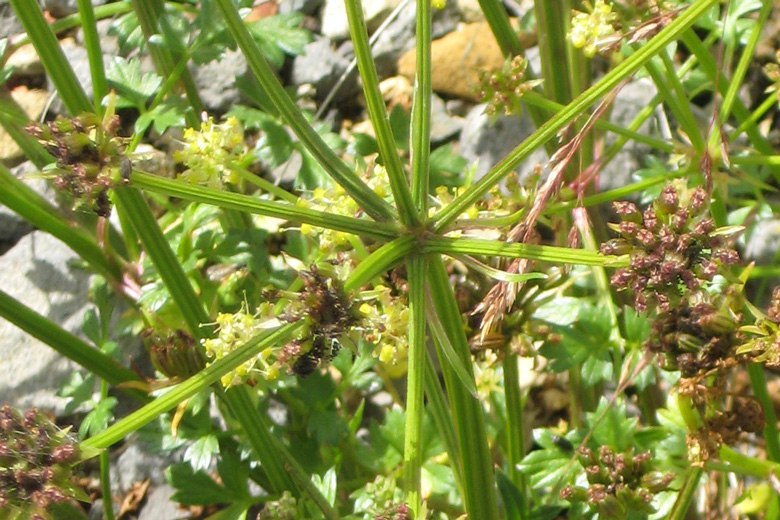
332 319
591 31
209 151
89 156
619 483
672 246
502 89
36 464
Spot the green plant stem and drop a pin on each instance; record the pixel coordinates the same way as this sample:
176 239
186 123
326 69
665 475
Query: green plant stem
105 470
373 205
479 493
421 111
13 120
455 246
263 184
571 111
237 201
760 391
57 67
437 405
94 53
203 379
415 381
763 108
377 112
746 465
380 261
515 434
685 495
551 20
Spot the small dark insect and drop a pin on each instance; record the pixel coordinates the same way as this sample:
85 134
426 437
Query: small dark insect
305 365
562 442
125 168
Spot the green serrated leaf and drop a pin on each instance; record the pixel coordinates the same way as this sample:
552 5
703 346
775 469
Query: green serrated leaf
80 390
196 487
201 451
134 88
279 35
99 418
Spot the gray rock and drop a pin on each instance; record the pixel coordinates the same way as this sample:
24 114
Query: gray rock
159 505
76 55
216 81
321 66
12 226
38 273
443 125
628 103
302 6
334 16
9 23
137 463
763 242
62 8
488 141
108 44
399 35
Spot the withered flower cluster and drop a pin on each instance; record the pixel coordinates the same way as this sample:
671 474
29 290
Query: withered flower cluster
672 247
502 90
36 463
176 354
725 427
398 512
619 483
88 153
330 316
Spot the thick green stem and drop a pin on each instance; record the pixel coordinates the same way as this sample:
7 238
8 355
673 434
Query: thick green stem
415 381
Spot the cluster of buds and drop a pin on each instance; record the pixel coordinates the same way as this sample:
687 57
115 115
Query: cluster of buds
36 464
772 71
764 347
381 499
208 152
502 89
398 512
595 30
89 156
328 313
619 483
672 248
175 354
336 201
697 337
284 508
725 427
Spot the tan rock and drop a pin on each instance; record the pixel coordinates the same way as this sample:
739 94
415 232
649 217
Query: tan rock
458 59
33 102
26 61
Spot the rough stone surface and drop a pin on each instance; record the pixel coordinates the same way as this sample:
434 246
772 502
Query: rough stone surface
9 23
12 226
488 141
443 124
39 275
764 242
628 103
26 62
334 16
160 507
135 464
77 57
216 81
321 65
108 44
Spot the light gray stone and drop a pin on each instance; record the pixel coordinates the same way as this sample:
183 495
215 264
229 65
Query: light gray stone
321 65
9 23
488 141
137 463
12 226
628 103
108 44
76 55
216 81
39 273
334 16
159 505
443 124
763 243
62 8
